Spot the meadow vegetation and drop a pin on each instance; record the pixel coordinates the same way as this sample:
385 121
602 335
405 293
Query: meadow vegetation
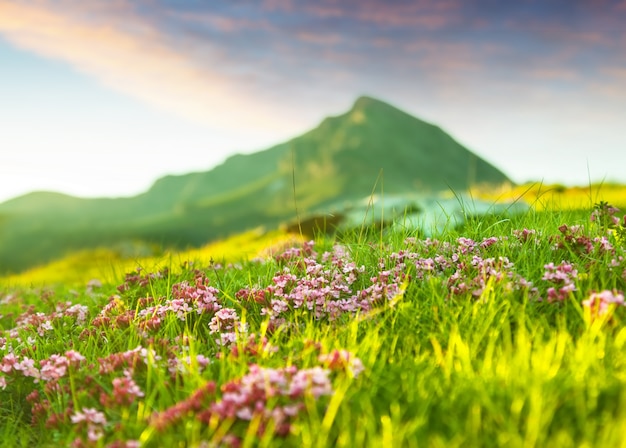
556 196
508 331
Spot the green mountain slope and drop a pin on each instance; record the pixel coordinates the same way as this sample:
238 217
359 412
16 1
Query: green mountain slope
339 161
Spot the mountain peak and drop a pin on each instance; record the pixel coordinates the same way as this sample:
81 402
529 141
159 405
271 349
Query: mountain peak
367 102
367 108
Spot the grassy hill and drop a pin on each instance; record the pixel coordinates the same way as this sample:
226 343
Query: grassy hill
342 160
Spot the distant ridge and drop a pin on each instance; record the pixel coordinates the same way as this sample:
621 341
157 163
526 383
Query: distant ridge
339 161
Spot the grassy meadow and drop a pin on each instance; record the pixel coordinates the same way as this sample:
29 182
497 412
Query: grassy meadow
557 197
508 331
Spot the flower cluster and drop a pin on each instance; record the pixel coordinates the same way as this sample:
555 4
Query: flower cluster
56 366
50 369
125 391
604 215
467 266
248 398
93 420
325 287
342 360
199 298
226 324
600 303
128 359
562 277
138 280
32 322
271 397
187 335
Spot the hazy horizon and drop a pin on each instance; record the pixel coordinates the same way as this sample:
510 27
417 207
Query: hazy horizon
99 99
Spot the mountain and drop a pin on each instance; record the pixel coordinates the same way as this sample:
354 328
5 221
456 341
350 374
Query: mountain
373 146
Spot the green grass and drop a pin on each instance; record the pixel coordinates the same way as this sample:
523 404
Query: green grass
455 356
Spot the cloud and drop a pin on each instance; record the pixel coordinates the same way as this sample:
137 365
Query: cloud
423 13
220 22
285 5
130 55
553 74
319 38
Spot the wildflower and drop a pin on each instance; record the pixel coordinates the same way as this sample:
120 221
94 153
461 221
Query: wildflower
486 242
563 277
43 327
600 303
200 296
525 234
93 419
125 390
603 244
74 357
89 415
53 368
180 307
93 284
342 360
79 312
224 320
604 214
248 397
27 367
8 363
314 381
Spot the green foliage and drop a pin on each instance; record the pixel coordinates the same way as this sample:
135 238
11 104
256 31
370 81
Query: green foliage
466 346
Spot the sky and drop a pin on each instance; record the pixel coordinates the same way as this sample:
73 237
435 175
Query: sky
101 98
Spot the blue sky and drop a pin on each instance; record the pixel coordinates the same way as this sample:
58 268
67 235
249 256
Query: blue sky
100 98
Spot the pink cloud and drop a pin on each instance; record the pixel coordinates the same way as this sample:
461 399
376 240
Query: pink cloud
560 33
325 11
423 13
319 38
619 73
553 74
130 55
439 57
285 5
223 23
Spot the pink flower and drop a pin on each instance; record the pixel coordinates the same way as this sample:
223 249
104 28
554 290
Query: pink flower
562 276
89 415
599 303
314 381
79 312
224 320
8 363
342 360
53 368
27 367
125 390
93 419
74 357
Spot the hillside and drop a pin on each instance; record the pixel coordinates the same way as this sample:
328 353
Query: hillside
338 162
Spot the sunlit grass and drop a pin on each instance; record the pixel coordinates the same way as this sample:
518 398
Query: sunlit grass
557 197
108 265
506 332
